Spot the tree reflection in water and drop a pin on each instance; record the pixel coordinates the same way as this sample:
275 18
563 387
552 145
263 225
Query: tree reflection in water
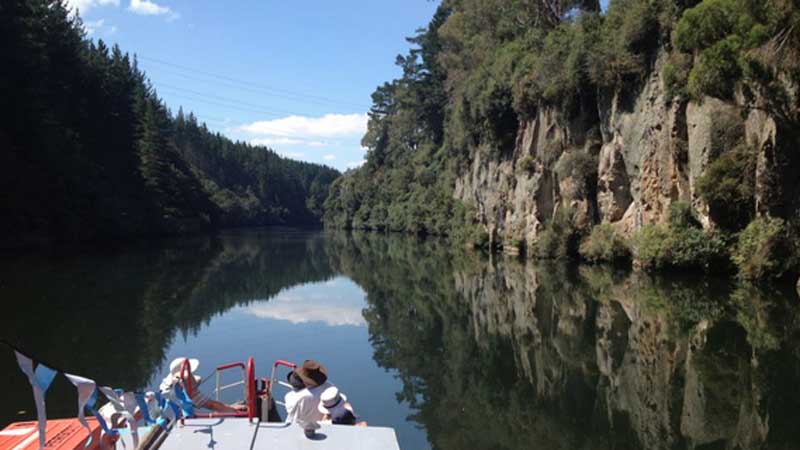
492 352
502 354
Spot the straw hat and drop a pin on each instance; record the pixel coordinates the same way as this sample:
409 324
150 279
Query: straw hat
312 373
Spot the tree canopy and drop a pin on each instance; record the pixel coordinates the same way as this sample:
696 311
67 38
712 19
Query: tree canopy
89 150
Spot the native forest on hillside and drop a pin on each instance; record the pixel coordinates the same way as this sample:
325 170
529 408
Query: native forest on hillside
658 132
663 130
90 151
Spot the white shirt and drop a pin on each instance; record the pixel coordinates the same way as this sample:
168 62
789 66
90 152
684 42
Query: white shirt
302 407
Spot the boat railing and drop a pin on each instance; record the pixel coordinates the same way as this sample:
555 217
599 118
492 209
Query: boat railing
248 380
274 380
241 382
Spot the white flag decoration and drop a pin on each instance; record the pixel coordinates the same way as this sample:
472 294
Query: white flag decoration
40 380
85 388
124 404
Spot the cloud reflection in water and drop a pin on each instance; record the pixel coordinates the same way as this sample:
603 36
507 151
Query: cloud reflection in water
337 302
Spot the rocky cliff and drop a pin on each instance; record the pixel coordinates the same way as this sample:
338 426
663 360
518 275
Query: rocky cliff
649 151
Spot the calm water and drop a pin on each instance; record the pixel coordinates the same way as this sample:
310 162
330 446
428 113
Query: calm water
453 350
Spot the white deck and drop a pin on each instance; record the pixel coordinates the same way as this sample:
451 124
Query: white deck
230 433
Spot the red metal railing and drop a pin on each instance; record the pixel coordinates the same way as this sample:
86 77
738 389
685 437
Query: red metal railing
248 379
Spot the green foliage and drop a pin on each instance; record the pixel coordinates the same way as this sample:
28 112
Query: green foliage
629 36
722 35
681 215
764 249
559 238
604 244
581 167
707 23
406 182
676 75
90 151
717 70
679 244
728 187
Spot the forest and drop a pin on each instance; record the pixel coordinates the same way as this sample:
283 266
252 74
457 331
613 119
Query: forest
662 132
89 151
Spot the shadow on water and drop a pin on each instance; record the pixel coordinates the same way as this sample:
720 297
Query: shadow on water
492 353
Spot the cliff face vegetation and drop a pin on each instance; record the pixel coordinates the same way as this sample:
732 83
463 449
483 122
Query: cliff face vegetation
526 124
88 150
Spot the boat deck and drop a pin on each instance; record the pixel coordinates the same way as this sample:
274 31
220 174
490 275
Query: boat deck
239 433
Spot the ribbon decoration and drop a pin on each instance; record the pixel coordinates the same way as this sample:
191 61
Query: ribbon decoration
86 388
125 405
40 380
187 406
140 400
100 419
166 405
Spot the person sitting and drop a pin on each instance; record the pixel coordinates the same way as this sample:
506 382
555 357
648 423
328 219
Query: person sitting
292 398
199 400
334 407
305 403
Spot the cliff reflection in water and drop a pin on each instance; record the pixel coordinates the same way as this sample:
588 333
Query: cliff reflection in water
492 353
497 353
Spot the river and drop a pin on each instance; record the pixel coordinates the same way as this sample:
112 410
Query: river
454 350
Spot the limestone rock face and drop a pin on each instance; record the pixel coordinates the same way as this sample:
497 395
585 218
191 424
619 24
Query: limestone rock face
650 154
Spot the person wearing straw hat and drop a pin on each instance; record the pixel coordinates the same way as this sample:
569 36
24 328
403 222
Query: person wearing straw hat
334 407
199 399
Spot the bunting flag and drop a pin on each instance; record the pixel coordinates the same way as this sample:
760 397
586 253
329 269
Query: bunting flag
98 416
158 409
125 405
40 380
167 406
187 406
86 388
140 400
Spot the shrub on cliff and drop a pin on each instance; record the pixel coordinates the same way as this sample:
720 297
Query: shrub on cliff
679 244
581 167
559 238
764 250
604 244
728 187
722 35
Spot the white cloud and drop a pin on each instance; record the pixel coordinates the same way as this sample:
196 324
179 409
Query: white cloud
112 29
294 155
149 8
93 26
85 5
329 157
284 141
329 125
355 164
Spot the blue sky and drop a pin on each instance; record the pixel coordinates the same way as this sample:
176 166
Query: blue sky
296 77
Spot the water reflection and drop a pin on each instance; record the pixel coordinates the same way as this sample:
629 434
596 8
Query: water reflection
520 355
488 353
333 304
